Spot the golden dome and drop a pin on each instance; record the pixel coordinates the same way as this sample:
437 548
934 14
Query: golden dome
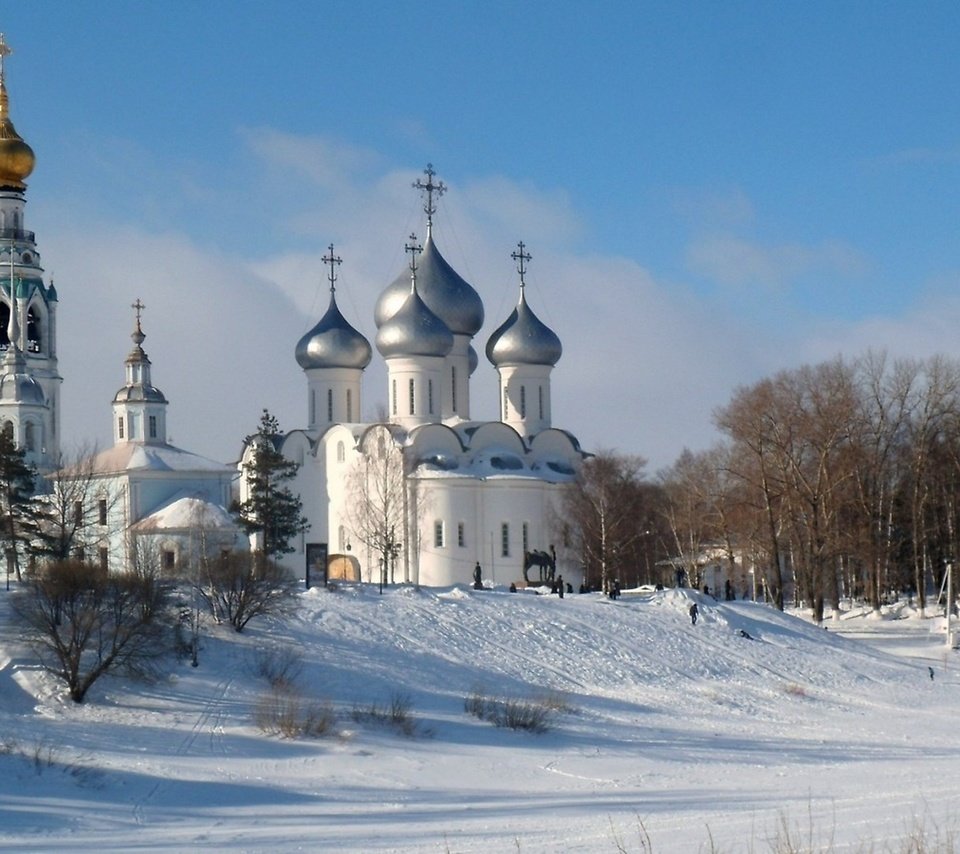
16 157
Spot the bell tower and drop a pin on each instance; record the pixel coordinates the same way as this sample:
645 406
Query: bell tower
29 379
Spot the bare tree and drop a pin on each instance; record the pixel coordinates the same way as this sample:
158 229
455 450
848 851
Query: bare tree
76 505
85 622
605 514
383 503
238 586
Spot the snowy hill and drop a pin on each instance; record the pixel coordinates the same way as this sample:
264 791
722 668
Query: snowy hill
660 733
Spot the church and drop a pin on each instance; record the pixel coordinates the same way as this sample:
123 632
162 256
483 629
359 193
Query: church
430 495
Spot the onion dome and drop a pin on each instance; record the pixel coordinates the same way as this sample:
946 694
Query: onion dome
443 289
523 339
472 359
16 157
333 343
414 330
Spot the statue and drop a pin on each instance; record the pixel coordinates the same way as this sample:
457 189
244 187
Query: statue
546 562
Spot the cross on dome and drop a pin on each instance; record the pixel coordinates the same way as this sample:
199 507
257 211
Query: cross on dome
5 51
332 261
138 336
430 188
521 257
413 249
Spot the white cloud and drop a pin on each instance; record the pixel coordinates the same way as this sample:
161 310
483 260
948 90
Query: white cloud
733 260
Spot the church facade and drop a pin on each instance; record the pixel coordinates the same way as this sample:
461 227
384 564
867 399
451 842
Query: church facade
430 495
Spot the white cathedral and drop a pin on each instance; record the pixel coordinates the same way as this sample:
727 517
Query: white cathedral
431 495
427 496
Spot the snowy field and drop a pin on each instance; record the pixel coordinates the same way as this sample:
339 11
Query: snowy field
663 736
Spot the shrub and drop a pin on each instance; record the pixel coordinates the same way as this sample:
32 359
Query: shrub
283 711
533 715
280 664
397 714
239 586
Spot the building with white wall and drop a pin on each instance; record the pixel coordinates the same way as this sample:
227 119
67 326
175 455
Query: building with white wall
470 491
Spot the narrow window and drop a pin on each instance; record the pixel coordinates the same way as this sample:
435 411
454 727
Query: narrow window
313 406
102 511
103 558
430 396
526 536
29 441
413 399
169 560
120 427
349 404
540 399
438 534
341 452
523 401
461 535
393 396
505 539
505 401
329 404
453 387
78 514
153 426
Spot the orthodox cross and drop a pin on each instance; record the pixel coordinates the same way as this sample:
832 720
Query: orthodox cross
5 51
430 188
332 260
413 248
521 257
138 307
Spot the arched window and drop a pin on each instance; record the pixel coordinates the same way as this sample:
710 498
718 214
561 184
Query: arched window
29 437
341 452
4 325
33 331
8 429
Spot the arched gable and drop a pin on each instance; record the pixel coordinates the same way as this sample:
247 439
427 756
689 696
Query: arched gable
435 445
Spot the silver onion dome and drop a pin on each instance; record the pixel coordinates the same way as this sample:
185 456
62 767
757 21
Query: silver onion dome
447 294
333 343
523 339
414 330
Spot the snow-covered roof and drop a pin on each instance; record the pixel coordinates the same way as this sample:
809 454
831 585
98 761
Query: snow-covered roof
138 456
183 512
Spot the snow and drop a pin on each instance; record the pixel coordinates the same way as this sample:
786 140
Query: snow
684 733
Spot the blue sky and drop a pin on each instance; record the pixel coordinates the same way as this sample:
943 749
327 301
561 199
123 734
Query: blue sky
710 191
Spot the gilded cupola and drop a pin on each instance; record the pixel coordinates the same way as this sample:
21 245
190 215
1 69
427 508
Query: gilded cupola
16 157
